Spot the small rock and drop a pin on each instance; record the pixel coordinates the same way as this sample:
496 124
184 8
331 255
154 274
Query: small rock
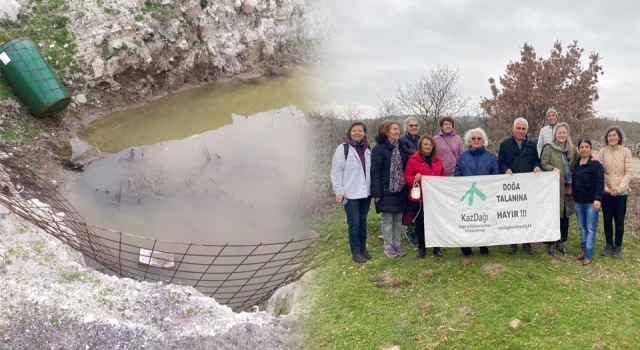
99 39
170 36
81 99
98 68
514 323
88 318
116 44
113 322
9 10
391 347
145 55
183 10
174 23
148 33
248 6
64 307
183 45
54 183
237 5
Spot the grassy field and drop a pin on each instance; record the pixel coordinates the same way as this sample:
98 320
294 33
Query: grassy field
462 303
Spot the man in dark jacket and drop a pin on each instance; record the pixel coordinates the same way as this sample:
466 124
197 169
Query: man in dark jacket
518 154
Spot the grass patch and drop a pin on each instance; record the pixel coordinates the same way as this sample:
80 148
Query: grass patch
73 276
49 33
455 302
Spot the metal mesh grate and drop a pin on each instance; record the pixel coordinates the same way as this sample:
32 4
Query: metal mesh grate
239 276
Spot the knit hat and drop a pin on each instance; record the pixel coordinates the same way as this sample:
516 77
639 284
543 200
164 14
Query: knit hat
446 118
551 110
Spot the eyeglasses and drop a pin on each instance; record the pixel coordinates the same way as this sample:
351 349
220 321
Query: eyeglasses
413 125
476 139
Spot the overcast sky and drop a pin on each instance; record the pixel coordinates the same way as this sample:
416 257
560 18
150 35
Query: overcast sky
379 45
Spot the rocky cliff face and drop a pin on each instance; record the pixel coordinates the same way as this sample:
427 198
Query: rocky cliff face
130 49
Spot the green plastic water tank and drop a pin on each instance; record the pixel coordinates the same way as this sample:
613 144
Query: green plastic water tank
24 68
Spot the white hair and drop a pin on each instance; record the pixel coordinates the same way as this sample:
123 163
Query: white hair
467 136
406 122
521 120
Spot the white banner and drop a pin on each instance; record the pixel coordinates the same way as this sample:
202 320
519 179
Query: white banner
475 211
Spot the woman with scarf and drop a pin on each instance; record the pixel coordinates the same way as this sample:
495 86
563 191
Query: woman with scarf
449 144
388 159
559 156
477 160
425 162
351 179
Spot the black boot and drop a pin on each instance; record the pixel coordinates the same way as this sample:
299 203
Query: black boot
437 252
422 251
484 251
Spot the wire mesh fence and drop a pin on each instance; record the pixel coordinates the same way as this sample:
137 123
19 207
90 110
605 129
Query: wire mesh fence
239 276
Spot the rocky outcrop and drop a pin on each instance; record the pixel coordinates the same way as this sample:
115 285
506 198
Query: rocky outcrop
9 10
124 46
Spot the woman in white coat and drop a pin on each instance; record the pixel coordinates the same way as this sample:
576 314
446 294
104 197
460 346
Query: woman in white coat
351 179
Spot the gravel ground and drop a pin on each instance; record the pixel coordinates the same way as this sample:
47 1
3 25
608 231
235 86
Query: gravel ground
50 300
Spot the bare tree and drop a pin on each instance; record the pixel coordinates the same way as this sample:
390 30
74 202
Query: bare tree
428 98
388 108
351 112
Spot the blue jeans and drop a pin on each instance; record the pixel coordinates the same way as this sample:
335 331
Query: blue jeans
588 222
357 210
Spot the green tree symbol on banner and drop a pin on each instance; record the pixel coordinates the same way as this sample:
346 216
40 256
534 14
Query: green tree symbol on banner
471 192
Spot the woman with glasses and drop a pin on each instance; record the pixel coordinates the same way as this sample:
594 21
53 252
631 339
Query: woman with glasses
588 186
410 142
476 160
559 156
449 144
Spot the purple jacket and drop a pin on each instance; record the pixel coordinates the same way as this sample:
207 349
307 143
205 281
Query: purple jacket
449 148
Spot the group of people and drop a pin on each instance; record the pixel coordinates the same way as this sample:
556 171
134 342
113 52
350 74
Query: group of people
387 172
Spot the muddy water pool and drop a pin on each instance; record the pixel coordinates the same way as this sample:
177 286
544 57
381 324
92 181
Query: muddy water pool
223 163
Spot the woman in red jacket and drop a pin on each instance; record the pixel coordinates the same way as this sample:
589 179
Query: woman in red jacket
425 162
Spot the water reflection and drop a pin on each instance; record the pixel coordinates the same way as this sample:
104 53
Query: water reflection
208 107
240 183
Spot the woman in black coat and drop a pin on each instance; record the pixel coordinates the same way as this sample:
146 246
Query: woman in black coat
388 159
588 187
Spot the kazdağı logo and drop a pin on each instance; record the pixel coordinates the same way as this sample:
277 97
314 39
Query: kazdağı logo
472 192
